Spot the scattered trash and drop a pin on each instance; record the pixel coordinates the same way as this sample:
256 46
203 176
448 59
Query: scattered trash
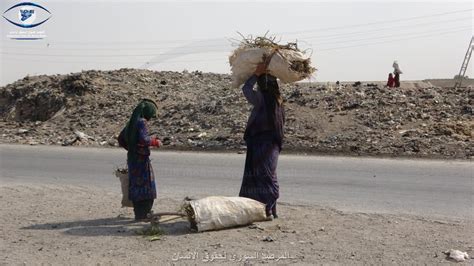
218 245
456 255
199 101
254 226
153 238
79 136
268 239
82 135
201 135
22 131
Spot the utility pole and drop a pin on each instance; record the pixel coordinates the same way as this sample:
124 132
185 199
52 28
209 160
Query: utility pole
462 72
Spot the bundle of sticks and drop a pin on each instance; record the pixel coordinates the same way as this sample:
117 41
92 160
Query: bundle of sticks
284 61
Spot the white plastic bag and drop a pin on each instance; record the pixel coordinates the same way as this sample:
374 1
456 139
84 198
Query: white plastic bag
244 61
213 213
123 177
457 255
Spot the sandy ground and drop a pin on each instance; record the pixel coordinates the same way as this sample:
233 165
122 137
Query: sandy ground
62 225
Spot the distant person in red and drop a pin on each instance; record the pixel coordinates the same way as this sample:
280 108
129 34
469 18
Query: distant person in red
397 79
391 81
397 72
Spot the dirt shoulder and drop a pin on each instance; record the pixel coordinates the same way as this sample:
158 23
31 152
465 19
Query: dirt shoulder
49 224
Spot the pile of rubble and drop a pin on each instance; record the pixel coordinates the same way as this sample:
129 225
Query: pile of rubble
200 111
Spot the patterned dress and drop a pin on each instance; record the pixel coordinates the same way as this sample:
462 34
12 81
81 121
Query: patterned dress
263 148
140 172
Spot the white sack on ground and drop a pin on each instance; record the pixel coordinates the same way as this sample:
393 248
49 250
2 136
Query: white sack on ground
213 213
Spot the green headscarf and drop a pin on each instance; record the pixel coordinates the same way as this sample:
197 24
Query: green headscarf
145 109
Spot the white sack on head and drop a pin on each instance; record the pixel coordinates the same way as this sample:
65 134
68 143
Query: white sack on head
214 213
397 67
244 61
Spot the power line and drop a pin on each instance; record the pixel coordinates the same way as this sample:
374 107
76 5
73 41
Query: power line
391 35
379 22
339 35
223 58
196 51
330 36
278 33
119 62
401 39
120 49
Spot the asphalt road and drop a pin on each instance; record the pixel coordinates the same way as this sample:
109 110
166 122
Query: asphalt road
430 188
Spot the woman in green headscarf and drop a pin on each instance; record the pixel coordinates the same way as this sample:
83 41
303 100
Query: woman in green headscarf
134 137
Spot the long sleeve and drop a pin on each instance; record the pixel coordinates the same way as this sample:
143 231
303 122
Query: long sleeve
143 138
253 97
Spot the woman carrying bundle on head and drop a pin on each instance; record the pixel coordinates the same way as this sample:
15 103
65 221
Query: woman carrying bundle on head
264 137
135 139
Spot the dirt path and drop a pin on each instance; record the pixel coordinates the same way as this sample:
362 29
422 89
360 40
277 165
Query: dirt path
83 225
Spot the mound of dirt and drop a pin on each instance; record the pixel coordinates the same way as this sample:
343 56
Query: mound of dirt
200 111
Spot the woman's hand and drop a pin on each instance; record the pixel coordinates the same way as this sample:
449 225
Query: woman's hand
155 142
261 69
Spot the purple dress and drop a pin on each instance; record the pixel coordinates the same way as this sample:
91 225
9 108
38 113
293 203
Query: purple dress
263 137
140 172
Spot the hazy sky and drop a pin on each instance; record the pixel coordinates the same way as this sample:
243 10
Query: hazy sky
349 40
